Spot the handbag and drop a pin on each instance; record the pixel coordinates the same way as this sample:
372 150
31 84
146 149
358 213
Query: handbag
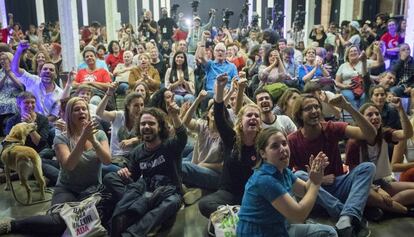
82 218
224 221
357 86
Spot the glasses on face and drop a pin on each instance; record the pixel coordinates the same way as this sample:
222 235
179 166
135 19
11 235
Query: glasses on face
309 108
220 50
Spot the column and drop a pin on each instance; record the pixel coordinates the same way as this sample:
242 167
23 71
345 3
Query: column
168 5
287 25
346 12
85 15
156 11
409 32
309 20
112 19
325 12
146 4
3 14
133 13
68 20
40 12
250 13
259 12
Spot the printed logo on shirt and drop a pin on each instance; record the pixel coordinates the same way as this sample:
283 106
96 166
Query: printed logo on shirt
152 163
90 78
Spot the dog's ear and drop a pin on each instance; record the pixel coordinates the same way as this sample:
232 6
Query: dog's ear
16 135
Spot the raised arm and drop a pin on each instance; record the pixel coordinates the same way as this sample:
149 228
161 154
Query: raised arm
242 84
108 116
363 130
188 120
397 162
23 45
407 128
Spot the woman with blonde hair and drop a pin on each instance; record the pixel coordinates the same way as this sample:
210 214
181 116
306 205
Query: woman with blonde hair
239 151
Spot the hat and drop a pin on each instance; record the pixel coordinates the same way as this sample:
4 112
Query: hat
197 18
355 25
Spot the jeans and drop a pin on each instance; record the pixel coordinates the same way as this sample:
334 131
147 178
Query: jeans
149 218
349 96
179 99
348 194
50 170
248 229
195 175
210 203
109 168
122 88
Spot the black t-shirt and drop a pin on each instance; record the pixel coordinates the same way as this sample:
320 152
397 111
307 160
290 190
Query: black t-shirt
238 165
165 160
166 27
146 32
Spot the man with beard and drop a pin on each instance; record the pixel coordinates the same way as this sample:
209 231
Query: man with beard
166 25
342 195
269 119
153 167
43 87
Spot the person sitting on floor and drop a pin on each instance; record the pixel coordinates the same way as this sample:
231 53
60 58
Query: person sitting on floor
267 203
154 167
386 193
80 150
342 195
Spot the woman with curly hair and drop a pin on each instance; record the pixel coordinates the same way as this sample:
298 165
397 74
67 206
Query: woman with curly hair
239 151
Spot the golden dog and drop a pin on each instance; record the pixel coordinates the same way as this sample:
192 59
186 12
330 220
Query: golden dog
23 159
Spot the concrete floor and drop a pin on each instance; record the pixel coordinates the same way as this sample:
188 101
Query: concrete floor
189 222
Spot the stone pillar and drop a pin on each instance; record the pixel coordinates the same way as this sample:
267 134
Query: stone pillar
156 10
40 12
3 14
346 12
259 12
287 24
133 13
309 20
250 13
85 15
146 4
409 32
68 20
168 5
113 20
325 12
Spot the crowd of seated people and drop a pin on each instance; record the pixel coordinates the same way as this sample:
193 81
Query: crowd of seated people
245 115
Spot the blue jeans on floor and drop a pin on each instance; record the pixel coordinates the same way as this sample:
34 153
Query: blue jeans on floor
348 194
248 229
195 175
349 96
122 88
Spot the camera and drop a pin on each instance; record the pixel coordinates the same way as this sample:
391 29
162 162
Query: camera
194 5
226 15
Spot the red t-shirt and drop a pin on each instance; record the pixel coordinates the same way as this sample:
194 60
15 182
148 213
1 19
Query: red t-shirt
4 35
99 75
301 148
390 41
112 61
239 62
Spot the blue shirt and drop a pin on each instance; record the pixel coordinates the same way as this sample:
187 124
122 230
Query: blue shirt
263 187
305 69
214 68
99 64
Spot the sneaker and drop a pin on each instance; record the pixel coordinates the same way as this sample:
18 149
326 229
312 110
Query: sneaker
362 229
346 232
373 213
192 195
5 225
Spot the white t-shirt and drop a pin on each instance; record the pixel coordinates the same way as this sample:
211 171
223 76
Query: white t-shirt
282 122
119 133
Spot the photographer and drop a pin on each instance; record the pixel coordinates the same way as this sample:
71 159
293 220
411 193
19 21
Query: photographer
166 25
148 28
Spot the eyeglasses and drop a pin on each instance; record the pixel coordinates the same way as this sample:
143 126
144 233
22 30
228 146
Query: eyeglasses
311 107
